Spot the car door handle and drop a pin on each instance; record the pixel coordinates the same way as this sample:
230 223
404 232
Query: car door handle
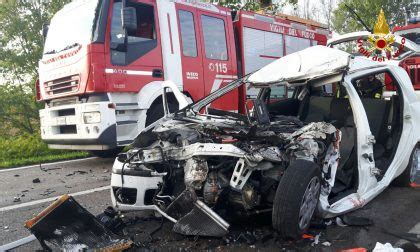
157 73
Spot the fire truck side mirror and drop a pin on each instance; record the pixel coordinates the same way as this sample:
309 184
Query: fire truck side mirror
165 104
129 18
45 30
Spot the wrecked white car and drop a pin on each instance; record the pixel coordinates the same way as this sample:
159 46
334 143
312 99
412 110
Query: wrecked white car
328 149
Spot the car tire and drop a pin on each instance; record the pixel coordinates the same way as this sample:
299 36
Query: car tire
112 153
155 112
405 179
296 199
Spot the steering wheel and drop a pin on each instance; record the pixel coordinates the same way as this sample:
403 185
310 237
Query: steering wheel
260 113
249 115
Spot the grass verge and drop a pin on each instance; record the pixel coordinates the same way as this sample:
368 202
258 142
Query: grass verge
43 159
30 149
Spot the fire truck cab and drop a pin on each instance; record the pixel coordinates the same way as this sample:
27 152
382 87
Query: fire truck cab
104 62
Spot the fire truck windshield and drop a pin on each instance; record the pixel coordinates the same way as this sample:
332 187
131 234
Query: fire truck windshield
411 34
71 26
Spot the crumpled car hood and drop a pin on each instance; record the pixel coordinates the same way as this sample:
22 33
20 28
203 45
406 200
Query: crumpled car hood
295 136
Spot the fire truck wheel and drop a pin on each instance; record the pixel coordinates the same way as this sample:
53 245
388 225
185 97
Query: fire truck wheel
296 199
155 112
112 153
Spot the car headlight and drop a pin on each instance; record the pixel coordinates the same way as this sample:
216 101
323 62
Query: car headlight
92 117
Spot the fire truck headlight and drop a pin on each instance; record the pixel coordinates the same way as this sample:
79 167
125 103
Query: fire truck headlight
92 117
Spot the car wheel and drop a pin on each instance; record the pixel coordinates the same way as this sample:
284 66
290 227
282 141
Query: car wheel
407 177
296 198
112 153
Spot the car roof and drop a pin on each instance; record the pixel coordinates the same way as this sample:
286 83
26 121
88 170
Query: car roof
317 62
312 62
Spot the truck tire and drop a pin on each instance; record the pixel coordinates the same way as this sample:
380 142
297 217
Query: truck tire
112 153
407 177
296 199
155 112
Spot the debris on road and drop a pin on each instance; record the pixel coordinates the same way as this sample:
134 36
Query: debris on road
111 220
49 169
47 192
387 247
326 244
37 180
16 175
247 238
66 225
353 250
16 199
316 240
75 172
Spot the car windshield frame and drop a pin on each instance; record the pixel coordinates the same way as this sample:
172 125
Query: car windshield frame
198 105
74 25
405 33
409 47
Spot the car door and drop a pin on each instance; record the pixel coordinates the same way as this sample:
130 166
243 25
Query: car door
365 140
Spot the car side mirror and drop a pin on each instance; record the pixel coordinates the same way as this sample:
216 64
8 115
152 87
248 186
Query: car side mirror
129 18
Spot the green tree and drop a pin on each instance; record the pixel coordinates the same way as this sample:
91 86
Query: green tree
255 5
396 12
20 49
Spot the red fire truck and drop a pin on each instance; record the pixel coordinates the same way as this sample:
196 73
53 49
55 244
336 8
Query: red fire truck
411 31
104 61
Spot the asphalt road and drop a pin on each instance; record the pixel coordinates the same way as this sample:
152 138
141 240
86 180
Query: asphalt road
21 198
396 210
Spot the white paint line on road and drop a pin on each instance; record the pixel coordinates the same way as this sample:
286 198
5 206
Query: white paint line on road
35 202
18 243
44 164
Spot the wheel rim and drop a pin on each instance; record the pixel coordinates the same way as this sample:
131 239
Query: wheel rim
309 202
414 165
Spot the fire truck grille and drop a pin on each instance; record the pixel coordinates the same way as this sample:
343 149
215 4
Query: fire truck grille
63 85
